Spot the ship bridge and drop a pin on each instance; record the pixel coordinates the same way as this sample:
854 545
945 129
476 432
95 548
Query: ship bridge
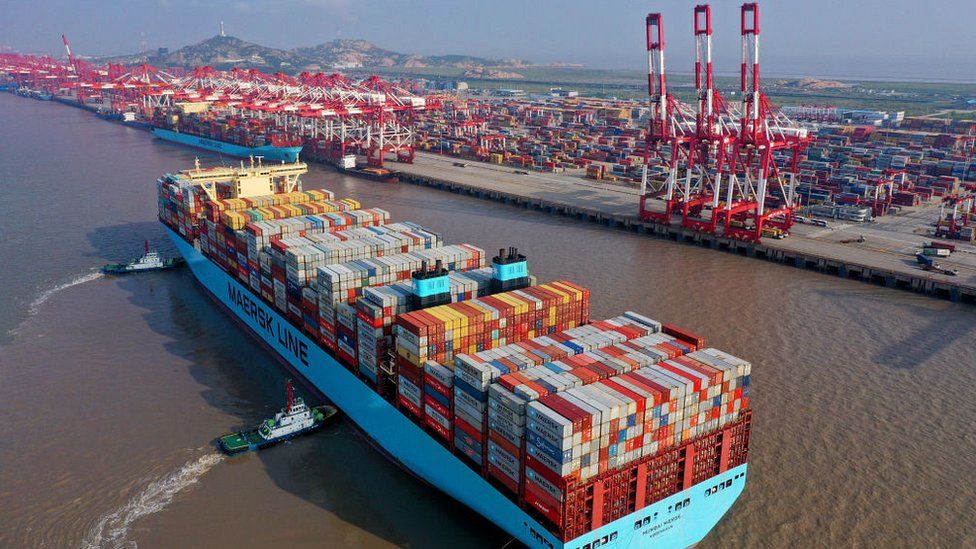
255 179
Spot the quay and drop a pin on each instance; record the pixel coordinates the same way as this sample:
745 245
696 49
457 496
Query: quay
886 257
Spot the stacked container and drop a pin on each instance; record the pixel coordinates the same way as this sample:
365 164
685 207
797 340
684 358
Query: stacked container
439 333
259 234
380 305
238 219
304 255
342 284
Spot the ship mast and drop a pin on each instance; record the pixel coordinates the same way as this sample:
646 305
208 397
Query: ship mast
289 397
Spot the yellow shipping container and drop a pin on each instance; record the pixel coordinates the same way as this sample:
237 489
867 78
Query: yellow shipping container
455 321
440 314
407 354
576 294
487 313
234 220
519 305
561 291
193 107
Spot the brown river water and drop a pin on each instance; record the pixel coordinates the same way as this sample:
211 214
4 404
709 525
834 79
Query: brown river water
111 390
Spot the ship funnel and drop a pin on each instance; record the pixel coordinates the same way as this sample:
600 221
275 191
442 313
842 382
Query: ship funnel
430 286
509 271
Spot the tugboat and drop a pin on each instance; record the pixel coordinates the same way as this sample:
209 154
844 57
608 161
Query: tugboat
293 420
150 261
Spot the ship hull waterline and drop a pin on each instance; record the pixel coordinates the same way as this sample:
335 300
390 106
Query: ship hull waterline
658 525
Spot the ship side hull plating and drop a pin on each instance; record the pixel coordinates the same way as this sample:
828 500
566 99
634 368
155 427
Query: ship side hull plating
678 521
268 152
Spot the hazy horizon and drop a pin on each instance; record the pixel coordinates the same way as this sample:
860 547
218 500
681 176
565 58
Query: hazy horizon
897 39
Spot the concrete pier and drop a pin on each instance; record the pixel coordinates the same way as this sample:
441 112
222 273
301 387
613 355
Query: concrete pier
886 257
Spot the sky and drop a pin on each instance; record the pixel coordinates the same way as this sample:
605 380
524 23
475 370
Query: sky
903 39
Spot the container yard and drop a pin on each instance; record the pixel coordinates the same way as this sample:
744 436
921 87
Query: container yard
496 389
885 257
820 182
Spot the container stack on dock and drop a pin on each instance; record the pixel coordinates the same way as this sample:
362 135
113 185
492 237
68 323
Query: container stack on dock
851 165
604 138
847 169
577 422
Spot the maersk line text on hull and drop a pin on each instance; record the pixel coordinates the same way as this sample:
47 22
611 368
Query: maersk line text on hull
266 321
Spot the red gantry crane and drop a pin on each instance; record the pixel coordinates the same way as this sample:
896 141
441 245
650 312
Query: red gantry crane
764 133
67 49
722 166
670 128
711 146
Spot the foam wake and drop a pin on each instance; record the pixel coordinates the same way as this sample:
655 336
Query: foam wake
35 306
112 529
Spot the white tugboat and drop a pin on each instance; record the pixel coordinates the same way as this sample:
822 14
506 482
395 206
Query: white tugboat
150 261
293 420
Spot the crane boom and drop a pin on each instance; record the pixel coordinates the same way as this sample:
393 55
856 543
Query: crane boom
71 58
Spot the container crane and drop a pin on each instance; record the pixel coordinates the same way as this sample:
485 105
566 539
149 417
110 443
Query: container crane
961 213
722 158
763 131
71 58
710 147
671 127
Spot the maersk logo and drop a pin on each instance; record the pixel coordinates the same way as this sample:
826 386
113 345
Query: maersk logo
285 335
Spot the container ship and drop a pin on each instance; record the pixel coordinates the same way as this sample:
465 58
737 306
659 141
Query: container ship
499 390
192 124
40 95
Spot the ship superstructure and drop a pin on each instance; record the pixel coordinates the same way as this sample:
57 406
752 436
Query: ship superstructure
294 418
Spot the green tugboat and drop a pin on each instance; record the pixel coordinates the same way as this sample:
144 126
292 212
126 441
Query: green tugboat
150 261
293 420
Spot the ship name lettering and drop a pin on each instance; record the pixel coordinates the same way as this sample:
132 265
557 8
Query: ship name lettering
294 344
250 308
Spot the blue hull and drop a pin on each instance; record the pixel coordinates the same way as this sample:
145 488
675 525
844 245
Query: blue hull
269 152
659 525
